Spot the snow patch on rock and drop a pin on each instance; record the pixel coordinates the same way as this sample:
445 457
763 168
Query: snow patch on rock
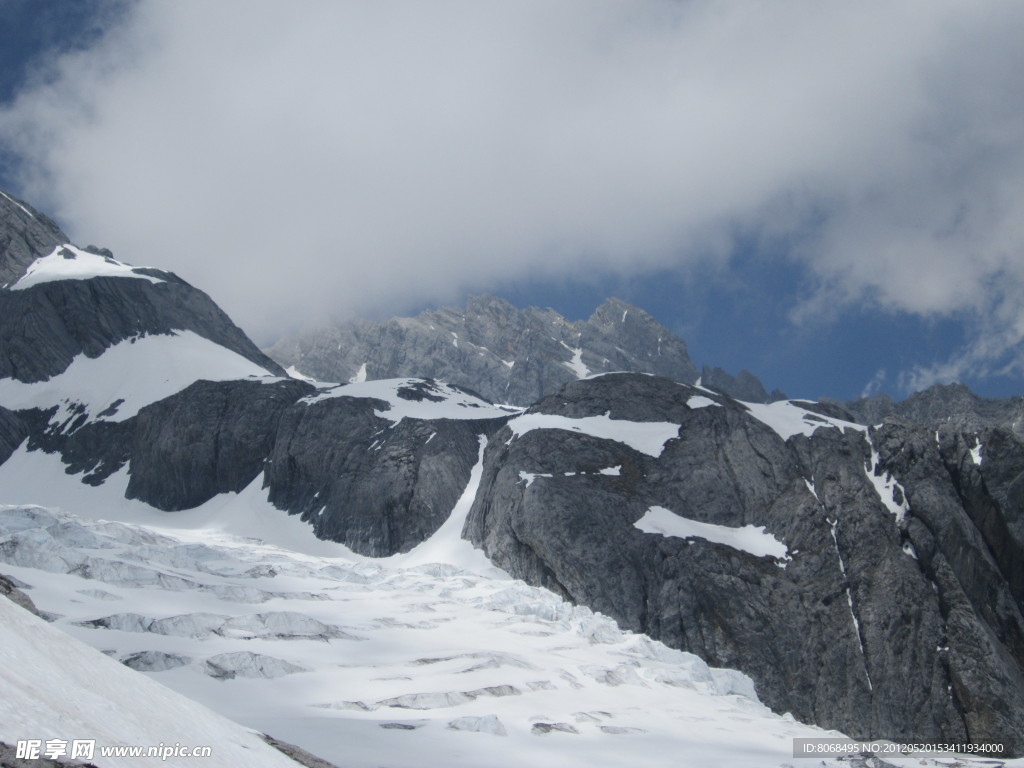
749 538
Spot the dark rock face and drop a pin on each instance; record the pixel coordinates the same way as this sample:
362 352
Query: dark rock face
43 328
383 489
211 438
508 355
13 430
967 534
377 485
25 235
855 632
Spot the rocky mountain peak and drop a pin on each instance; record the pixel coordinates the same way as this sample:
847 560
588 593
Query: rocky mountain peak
505 353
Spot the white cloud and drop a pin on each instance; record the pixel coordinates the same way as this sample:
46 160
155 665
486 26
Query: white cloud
874 386
995 348
312 157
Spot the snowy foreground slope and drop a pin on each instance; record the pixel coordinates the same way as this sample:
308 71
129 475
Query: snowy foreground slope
55 687
389 662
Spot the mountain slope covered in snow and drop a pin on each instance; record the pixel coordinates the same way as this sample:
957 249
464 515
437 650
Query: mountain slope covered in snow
56 687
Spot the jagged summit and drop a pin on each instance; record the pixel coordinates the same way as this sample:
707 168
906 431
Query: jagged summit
505 353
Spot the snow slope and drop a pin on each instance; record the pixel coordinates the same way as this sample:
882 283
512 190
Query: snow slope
67 262
787 418
128 376
56 687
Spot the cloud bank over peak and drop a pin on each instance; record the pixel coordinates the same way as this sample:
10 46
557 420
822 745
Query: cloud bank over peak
317 158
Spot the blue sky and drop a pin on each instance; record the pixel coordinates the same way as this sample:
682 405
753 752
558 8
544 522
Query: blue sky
829 195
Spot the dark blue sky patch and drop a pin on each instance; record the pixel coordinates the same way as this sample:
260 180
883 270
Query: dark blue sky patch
33 30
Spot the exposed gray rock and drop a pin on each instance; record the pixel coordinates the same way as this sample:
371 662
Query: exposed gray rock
382 489
13 431
210 438
850 631
154 661
507 354
950 405
744 386
44 327
299 755
378 485
10 588
25 235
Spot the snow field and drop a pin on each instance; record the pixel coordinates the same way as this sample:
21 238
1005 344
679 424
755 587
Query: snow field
67 262
128 376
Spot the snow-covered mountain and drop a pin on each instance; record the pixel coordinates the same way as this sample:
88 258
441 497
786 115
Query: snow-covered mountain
326 557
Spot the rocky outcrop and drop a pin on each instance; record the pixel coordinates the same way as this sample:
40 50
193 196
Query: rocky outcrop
385 487
25 235
507 354
887 616
744 386
942 405
13 430
10 588
211 438
377 482
299 755
44 327
58 301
